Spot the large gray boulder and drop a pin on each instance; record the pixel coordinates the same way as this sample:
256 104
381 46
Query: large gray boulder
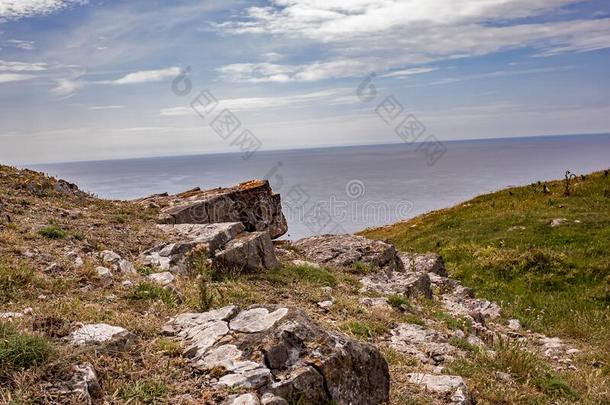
248 252
280 353
252 203
347 250
225 245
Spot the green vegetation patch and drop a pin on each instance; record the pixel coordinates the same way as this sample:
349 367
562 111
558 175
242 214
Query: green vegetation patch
20 351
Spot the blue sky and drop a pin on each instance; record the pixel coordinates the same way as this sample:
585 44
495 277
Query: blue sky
84 80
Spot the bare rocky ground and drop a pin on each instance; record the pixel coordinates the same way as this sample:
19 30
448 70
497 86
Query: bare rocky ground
191 299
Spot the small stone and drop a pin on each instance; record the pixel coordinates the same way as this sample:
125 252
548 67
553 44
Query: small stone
306 263
84 382
443 384
325 304
126 267
572 351
127 283
101 333
270 399
108 256
78 262
162 279
558 222
104 274
244 399
514 324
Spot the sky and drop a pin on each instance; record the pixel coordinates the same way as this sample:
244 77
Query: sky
103 79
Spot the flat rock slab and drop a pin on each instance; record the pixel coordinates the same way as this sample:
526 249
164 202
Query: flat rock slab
102 334
270 350
252 203
347 250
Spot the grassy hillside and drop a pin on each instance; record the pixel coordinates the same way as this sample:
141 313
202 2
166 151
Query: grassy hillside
555 279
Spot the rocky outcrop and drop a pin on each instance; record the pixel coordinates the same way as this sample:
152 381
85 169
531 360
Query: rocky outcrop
226 245
424 263
252 203
428 345
348 250
281 356
394 282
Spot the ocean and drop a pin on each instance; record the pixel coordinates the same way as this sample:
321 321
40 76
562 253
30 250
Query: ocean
347 189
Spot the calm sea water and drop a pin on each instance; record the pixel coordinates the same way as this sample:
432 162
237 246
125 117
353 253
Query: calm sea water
350 188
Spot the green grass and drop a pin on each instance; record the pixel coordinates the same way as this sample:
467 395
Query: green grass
555 280
144 392
523 366
52 232
20 351
147 291
398 301
13 280
302 273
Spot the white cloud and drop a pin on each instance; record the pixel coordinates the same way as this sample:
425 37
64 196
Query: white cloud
21 44
410 72
361 36
66 87
146 76
11 66
106 107
329 97
14 77
16 9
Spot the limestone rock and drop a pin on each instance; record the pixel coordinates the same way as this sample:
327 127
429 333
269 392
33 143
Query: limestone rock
248 252
424 263
558 222
252 203
163 279
347 250
270 399
452 387
405 283
126 267
429 346
257 319
283 355
514 324
104 274
84 382
244 399
113 337
108 256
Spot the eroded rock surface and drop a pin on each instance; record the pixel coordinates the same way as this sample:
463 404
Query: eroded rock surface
424 263
249 251
347 250
226 245
282 356
252 203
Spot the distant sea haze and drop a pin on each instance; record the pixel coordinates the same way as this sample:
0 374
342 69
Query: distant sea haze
347 189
